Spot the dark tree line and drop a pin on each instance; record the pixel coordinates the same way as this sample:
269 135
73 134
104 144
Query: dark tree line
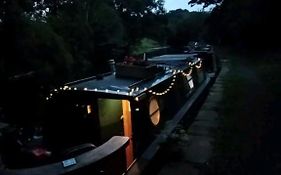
67 39
250 24
63 40
70 39
185 26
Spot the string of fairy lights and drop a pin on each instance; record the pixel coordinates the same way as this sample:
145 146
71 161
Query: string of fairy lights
197 64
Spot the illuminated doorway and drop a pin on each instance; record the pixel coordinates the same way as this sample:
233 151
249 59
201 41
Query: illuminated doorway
115 119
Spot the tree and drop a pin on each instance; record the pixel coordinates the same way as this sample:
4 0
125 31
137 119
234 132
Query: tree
244 24
206 3
140 19
185 26
30 44
91 29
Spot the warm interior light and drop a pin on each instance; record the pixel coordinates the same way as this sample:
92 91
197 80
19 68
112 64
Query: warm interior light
127 123
89 109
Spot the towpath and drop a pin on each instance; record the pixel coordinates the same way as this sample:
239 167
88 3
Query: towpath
194 146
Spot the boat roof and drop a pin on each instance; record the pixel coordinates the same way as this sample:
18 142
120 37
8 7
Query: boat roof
130 87
173 60
172 57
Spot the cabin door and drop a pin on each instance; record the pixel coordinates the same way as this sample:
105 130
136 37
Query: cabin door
127 123
115 119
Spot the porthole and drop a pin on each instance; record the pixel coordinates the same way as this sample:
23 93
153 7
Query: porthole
154 111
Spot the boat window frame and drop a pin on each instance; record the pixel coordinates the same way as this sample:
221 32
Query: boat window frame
156 120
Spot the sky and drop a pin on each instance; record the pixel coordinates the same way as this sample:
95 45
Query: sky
183 4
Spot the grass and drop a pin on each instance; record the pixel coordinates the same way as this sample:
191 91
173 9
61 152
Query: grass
145 45
248 141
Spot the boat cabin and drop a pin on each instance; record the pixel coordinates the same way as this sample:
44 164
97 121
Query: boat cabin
117 114
125 103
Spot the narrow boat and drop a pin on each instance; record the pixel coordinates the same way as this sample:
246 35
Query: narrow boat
113 123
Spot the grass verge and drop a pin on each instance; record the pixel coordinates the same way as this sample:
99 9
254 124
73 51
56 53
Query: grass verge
248 140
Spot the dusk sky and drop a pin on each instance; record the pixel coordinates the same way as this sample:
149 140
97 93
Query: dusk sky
180 4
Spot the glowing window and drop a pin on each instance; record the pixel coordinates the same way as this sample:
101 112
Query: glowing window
191 84
89 109
190 81
154 111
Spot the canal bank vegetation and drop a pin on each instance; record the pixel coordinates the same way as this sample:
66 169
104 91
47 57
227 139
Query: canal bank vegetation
62 41
247 142
66 40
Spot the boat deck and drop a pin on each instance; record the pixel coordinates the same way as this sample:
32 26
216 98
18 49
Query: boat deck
130 87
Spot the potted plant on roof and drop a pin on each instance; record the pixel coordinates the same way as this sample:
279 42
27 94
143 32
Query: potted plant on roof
133 67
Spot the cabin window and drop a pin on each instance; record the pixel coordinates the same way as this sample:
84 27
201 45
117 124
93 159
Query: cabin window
154 111
89 109
190 81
